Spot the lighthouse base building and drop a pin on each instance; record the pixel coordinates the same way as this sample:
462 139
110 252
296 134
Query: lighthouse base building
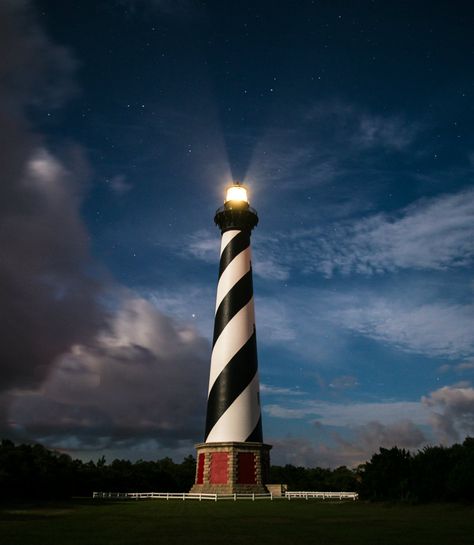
232 468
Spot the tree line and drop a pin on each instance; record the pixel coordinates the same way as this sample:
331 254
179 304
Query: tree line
435 473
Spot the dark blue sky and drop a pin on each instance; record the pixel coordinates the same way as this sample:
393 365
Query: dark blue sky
352 126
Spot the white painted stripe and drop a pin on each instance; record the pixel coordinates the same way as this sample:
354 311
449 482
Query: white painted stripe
227 237
240 419
237 268
235 334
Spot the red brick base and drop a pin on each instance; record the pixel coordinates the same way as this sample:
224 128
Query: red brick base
232 468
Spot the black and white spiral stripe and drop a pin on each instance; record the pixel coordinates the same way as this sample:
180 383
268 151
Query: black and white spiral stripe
233 406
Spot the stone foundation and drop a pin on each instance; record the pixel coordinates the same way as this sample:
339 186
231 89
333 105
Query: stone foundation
232 468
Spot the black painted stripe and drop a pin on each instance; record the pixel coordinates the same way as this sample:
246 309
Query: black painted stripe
231 382
235 299
233 249
257 435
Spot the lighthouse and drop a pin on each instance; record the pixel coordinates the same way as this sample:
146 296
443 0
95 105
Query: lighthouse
233 458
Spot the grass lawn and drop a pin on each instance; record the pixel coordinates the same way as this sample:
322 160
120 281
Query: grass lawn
91 522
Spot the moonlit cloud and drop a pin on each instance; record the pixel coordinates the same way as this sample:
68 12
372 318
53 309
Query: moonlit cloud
143 378
119 185
304 154
203 245
433 329
86 362
389 132
350 449
351 414
193 306
343 382
465 366
452 412
432 234
267 389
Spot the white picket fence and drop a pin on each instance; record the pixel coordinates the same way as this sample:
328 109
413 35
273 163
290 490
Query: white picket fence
215 497
178 496
322 495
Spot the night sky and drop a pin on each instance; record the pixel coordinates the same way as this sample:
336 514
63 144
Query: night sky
122 122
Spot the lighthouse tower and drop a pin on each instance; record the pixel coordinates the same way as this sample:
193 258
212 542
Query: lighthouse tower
233 457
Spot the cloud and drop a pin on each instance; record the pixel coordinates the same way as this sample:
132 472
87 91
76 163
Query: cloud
143 379
193 305
85 363
385 132
434 329
344 382
274 324
351 449
119 185
267 267
267 389
430 234
465 366
435 234
33 70
350 414
452 412
402 434
288 160
363 129
203 245
50 285
413 320
324 143
301 451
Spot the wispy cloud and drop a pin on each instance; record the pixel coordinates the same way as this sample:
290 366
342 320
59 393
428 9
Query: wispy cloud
431 234
277 390
274 323
351 414
324 142
343 382
465 366
434 329
203 245
361 128
118 184
385 132
192 305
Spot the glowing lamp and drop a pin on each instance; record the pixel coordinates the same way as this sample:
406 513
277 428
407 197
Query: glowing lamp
236 193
